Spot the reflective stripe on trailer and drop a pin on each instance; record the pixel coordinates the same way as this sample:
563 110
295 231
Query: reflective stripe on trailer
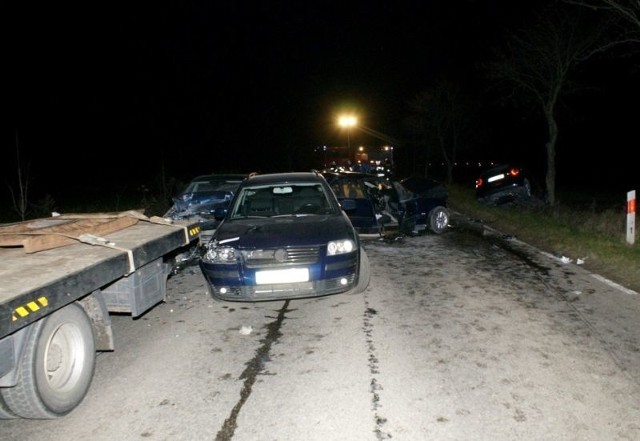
28 308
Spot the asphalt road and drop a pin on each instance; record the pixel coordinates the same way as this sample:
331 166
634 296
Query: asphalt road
461 336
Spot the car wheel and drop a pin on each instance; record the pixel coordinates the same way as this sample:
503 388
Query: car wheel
439 220
365 273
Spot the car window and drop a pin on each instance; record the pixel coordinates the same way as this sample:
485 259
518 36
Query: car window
202 186
337 188
281 200
352 189
231 186
348 188
403 193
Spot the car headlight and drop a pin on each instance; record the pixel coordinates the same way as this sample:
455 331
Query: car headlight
340 247
217 254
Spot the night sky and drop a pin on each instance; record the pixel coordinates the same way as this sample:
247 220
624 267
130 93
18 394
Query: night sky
125 91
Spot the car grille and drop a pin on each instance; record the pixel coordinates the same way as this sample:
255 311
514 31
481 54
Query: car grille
294 255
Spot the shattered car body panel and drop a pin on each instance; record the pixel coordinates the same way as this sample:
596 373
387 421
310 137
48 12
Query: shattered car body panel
201 198
412 206
193 204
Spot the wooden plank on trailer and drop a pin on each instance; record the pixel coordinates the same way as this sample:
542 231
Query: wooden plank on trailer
44 234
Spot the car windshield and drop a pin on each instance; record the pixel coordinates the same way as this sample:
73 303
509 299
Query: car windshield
213 185
281 200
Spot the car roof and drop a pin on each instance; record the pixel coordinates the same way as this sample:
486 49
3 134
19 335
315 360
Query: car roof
349 174
219 177
289 177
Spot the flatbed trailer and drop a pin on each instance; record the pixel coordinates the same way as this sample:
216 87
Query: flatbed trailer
59 282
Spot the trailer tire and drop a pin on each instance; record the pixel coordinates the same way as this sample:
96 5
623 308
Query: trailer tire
57 367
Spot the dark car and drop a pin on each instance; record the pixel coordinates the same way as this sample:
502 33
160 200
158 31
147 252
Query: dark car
503 183
201 197
284 236
412 205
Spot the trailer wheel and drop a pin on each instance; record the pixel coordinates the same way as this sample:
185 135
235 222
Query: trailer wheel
57 367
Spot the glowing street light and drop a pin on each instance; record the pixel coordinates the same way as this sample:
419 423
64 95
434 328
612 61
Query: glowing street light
348 121
389 150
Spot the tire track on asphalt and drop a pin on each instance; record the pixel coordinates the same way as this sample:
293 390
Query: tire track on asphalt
375 386
374 368
254 367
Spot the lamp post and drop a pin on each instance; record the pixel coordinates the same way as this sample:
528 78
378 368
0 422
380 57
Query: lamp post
348 121
389 150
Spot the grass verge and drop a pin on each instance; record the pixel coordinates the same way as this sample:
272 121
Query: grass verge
574 230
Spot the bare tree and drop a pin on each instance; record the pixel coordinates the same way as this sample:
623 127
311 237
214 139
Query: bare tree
627 10
19 196
536 64
443 115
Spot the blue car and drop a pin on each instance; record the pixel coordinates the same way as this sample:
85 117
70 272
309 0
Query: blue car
199 200
284 236
379 205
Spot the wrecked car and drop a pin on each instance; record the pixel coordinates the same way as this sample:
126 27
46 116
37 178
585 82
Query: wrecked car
502 184
199 200
411 206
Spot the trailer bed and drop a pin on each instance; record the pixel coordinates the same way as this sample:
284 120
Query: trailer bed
34 284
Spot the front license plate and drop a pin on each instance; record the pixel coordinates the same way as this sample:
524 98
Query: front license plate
290 275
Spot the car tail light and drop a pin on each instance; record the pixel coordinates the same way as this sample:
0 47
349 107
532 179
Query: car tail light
514 172
479 182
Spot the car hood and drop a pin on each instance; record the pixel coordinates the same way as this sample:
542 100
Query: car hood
285 231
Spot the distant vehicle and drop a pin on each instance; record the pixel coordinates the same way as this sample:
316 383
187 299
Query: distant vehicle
284 236
198 201
501 184
412 205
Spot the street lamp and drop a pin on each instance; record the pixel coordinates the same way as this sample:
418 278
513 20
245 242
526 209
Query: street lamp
348 121
389 150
